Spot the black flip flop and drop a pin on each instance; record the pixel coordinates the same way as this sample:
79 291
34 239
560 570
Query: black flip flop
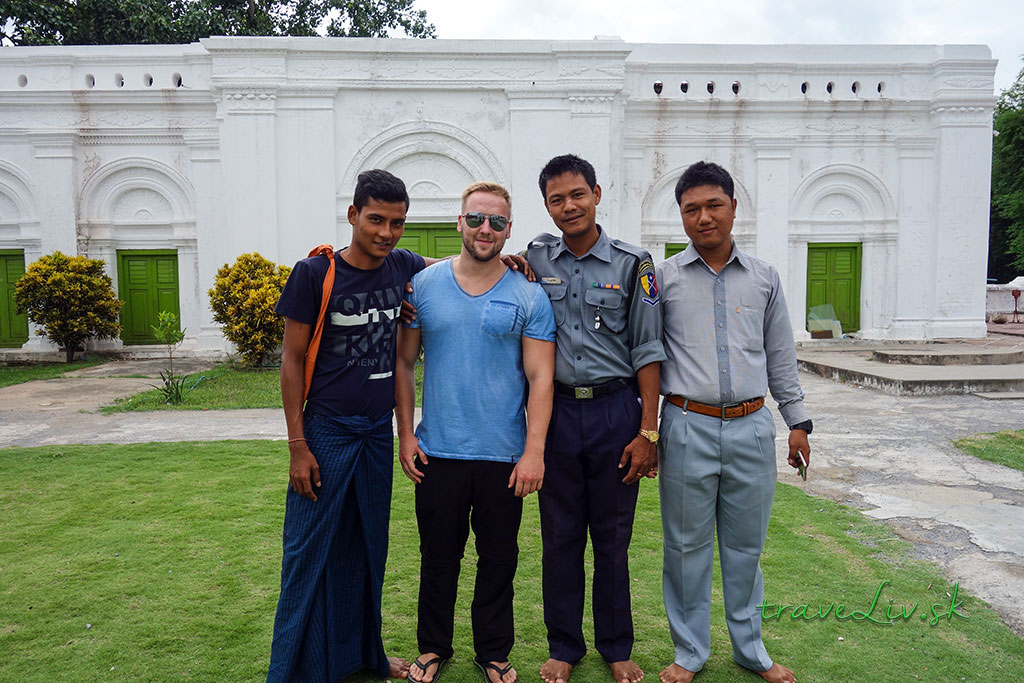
440 661
484 666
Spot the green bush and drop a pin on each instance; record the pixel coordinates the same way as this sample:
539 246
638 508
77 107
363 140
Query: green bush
243 299
70 299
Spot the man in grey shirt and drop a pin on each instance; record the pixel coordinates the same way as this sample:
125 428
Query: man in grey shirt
728 340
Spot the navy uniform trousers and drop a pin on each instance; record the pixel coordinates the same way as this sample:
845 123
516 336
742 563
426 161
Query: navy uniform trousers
583 490
332 571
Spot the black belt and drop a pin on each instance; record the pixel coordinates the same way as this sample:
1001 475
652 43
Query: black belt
594 391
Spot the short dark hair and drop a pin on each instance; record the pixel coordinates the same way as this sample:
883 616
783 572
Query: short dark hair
704 173
380 185
567 163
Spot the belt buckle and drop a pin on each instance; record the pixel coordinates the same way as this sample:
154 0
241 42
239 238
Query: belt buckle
583 392
727 407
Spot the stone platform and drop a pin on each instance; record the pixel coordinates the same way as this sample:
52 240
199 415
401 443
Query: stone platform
991 368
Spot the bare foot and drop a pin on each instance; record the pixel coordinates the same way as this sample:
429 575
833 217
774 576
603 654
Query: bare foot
425 668
626 672
777 674
673 673
555 671
398 667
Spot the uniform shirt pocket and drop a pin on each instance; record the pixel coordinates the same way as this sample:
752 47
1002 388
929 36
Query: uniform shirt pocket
500 318
556 294
607 307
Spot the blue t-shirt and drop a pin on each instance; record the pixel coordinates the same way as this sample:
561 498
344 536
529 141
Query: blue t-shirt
354 373
474 388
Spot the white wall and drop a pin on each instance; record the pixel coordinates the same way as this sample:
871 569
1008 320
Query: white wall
259 145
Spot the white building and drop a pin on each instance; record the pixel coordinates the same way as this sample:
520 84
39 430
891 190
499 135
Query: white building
862 171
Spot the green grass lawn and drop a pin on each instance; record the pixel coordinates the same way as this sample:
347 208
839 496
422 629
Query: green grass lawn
1004 448
225 387
160 562
17 374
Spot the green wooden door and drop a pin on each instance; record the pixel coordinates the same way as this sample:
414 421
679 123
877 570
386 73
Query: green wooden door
147 282
833 277
434 240
13 327
673 248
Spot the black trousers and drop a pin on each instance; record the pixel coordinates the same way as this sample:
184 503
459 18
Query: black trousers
583 491
454 495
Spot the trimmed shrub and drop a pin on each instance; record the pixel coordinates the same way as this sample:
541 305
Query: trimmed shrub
243 299
70 299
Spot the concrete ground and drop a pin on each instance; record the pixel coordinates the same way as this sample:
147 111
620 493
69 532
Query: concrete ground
889 455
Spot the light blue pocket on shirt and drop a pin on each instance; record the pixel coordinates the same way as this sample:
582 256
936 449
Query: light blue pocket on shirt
499 318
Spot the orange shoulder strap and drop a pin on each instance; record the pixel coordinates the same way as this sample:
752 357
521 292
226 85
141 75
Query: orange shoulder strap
314 341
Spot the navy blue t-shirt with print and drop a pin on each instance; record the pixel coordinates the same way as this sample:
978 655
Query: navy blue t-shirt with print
354 372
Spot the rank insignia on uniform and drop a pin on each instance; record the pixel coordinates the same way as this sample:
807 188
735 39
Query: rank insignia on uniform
551 280
648 283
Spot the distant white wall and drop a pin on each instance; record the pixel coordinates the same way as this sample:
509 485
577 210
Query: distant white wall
242 144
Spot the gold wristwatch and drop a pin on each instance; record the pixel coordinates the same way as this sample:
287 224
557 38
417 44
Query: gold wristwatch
649 434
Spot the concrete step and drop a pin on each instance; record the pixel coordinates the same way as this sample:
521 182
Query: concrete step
912 380
950 356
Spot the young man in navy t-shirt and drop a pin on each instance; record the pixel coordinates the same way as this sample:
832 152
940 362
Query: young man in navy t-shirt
328 622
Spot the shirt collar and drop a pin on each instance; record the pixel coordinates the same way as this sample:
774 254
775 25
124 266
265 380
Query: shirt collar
690 255
602 248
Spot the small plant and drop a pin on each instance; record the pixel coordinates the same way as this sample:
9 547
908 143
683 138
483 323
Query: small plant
168 332
70 298
175 387
243 299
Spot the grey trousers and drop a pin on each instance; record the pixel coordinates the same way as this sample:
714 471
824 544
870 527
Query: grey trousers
715 472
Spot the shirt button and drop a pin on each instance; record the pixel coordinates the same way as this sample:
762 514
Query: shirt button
576 327
719 302
577 271
724 371
719 324
579 357
574 296
721 348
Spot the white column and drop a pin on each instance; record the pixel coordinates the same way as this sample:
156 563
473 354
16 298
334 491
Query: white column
56 194
913 293
961 236
209 251
249 166
772 220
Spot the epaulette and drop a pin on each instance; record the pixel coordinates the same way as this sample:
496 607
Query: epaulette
543 240
631 249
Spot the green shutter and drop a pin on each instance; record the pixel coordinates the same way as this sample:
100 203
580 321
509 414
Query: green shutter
673 248
147 282
433 240
833 277
13 326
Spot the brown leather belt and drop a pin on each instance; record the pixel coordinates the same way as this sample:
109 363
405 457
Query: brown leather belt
729 412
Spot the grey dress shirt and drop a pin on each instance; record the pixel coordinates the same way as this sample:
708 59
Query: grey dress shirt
728 335
606 305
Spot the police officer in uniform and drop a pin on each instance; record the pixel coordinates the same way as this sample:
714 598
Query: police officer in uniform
602 436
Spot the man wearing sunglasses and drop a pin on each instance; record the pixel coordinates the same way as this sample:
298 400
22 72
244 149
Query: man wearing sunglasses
487 336
604 420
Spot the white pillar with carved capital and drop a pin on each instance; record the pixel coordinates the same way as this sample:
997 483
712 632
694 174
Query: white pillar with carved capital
592 126
539 125
772 214
249 162
964 155
916 243
211 250
55 162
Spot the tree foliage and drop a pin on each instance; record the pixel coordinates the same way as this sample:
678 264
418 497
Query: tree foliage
243 299
70 299
1008 175
106 22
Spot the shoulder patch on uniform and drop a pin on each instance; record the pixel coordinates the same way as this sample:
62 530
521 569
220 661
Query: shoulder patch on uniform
648 282
544 240
632 249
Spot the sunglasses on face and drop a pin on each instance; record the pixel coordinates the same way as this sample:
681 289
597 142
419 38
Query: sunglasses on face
475 220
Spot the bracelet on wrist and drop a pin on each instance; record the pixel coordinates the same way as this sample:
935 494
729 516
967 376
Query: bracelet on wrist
301 438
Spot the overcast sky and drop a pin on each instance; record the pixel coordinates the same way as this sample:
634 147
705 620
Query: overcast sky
996 23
